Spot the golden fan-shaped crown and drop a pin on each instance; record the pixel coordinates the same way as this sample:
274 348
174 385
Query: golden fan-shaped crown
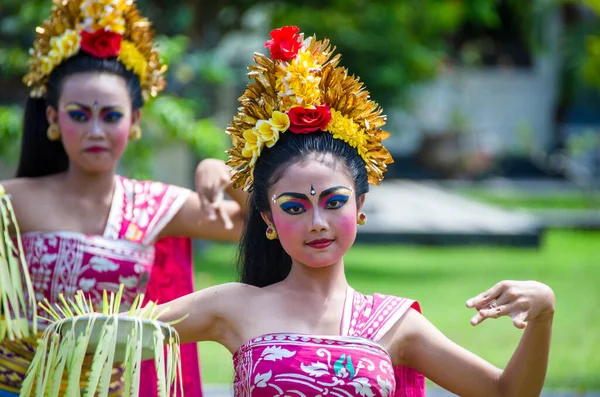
101 28
301 89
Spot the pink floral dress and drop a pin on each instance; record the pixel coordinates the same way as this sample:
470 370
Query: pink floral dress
64 262
351 364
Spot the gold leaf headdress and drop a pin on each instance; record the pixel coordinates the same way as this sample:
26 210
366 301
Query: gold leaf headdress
301 89
101 28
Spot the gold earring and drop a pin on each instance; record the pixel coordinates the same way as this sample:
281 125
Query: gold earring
135 132
53 132
362 218
271 233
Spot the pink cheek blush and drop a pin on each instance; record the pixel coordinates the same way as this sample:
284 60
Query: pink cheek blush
68 127
285 226
120 137
347 226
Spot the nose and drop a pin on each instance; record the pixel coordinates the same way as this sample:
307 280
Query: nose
319 223
96 131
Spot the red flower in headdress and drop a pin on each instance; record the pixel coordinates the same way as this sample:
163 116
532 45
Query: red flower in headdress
101 43
284 43
303 121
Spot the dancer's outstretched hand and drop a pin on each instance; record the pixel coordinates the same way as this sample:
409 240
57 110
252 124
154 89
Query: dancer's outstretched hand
212 178
523 301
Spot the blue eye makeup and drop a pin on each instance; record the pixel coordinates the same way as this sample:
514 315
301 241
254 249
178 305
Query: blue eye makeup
292 204
292 207
112 117
336 201
77 114
82 114
298 203
335 198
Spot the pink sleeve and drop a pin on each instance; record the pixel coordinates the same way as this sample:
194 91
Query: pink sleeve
148 206
172 276
409 383
371 317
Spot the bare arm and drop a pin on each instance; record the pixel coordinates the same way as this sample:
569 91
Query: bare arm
526 371
427 350
191 221
207 214
531 306
207 313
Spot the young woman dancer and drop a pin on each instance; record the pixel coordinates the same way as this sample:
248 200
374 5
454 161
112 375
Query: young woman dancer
307 142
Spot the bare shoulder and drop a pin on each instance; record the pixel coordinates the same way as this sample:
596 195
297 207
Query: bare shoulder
31 198
405 332
16 186
19 187
235 293
224 297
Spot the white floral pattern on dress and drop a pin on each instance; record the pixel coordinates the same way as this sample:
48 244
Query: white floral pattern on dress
279 365
353 364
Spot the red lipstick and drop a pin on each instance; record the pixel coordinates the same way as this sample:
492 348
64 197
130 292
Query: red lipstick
96 149
320 244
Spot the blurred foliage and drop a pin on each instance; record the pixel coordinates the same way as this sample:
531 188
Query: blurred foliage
392 45
10 133
590 57
581 45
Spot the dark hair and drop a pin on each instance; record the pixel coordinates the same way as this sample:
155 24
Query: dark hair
263 262
39 155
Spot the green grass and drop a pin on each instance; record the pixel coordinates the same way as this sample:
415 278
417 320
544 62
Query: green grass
442 279
579 201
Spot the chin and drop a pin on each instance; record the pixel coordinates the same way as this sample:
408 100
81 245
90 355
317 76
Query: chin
318 263
98 168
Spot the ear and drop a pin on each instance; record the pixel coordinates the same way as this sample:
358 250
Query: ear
136 116
266 216
360 201
51 115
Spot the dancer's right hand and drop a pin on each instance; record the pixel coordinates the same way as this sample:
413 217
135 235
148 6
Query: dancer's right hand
212 178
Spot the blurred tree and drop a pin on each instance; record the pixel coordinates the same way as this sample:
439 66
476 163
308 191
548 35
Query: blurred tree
390 44
588 30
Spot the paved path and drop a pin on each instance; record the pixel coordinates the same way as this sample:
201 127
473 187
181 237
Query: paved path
407 211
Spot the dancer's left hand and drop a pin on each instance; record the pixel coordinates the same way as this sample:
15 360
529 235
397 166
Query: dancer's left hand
212 178
523 301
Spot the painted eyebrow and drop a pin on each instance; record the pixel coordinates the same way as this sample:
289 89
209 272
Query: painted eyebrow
102 110
331 190
294 195
303 196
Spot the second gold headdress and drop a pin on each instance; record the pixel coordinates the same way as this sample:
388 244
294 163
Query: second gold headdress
101 28
301 89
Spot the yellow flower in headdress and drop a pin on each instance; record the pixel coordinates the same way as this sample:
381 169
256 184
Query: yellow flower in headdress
266 133
253 146
280 121
113 23
298 83
348 131
268 130
133 59
104 14
61 48
66 44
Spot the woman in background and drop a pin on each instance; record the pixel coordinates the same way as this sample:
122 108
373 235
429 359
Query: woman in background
83 226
